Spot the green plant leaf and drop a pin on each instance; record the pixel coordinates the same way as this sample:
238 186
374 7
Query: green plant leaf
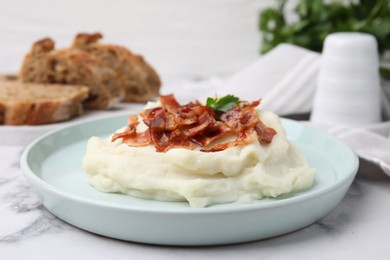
318 18
222 104
385 73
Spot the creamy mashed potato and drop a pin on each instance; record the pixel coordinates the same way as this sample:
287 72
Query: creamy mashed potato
238 174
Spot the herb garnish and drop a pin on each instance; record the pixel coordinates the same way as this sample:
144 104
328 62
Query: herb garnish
222 104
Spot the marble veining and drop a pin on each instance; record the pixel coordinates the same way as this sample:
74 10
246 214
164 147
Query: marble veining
46 223
18 198
22 199
336 222
348 229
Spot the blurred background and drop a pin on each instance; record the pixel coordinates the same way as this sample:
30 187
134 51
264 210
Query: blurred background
178 37
187 38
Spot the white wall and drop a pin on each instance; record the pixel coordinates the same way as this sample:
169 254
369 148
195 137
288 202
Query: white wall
179 37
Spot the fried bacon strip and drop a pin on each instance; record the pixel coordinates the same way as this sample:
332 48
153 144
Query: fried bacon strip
188 126
130 135
244 121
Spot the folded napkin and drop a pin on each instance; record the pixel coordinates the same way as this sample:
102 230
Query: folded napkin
370 142
286 78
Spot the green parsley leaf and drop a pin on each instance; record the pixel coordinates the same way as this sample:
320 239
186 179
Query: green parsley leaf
222 104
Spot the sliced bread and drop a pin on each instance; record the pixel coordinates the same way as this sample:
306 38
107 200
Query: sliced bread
35 104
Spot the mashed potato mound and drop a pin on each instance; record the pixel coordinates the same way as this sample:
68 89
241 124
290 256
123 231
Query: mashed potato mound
239 174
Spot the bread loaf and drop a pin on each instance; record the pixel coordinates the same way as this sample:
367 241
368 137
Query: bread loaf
35 104
44 64
138 79
112 73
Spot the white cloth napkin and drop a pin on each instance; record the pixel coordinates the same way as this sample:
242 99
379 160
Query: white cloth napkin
285 79
370 142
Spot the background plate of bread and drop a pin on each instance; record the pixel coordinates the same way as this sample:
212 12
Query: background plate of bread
55 87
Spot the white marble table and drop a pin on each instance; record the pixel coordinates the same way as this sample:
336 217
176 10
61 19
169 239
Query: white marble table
358 228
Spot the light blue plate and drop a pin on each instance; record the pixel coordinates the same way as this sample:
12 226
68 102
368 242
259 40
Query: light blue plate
53 166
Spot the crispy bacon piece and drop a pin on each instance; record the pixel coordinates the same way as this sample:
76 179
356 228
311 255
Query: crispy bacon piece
242 139
240 119
165 134
189 126
141 139
211 134
132 123
130 135
169 102
243 118
265 134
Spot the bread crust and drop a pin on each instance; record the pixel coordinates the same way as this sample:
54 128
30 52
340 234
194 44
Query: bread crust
9 77
44 64
35 104
112 73
138 79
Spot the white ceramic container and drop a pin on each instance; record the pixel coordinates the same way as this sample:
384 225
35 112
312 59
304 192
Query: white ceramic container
348 89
